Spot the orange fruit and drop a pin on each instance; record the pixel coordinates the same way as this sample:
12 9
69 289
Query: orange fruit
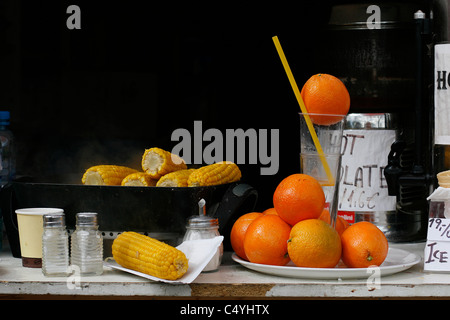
265 241
325 94
363 245
238 231
298 197
313 243
341 224
270 211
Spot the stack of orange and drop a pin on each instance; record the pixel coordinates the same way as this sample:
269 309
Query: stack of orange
298 227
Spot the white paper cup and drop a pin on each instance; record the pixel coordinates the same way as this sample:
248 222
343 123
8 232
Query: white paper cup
30 225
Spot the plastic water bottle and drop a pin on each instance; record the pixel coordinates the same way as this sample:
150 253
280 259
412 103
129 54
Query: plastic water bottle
55 246
8 157
87 245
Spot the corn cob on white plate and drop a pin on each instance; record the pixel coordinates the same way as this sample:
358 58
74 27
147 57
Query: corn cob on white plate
198 252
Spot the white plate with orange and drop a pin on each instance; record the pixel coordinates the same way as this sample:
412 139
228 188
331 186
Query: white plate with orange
396 261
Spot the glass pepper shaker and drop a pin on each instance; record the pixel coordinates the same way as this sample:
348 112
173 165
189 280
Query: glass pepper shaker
205 227
55 246
87 245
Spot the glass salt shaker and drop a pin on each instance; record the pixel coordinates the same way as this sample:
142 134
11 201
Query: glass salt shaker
204 227
55 246
87 245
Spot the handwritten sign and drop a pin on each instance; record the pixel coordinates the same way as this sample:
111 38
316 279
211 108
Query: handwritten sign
437 248
439 229
363 186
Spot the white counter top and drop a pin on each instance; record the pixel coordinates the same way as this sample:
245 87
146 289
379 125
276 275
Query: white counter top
231 281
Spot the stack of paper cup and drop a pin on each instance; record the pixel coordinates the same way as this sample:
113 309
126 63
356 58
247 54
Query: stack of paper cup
444 179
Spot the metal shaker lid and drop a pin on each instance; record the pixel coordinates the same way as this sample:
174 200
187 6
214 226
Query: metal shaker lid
87 219
54 220
202 220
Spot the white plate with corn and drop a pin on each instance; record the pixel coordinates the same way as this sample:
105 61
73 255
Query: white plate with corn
149 258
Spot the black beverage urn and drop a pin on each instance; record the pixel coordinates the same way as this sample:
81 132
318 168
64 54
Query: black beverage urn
383 52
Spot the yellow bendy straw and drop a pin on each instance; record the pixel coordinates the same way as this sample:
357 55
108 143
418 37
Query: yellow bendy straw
303 108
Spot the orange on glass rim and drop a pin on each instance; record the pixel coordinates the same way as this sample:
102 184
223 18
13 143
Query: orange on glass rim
313 243
298 197
266 239
363 245
327 95
238 231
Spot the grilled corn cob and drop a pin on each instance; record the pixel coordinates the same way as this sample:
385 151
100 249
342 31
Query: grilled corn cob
214 174
147 255
158 162
110 175
175 179
139 179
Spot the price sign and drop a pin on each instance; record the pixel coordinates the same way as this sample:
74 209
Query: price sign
437 249
438 229
362 185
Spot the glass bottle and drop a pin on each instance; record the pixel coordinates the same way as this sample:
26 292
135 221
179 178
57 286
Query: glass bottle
87 245
55 246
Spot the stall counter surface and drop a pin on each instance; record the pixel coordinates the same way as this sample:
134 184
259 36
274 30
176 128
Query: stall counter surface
231 281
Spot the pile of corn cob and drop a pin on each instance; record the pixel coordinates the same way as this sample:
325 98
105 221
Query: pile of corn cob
162 168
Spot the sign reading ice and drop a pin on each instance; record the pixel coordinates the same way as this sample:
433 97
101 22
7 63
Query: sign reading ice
437 249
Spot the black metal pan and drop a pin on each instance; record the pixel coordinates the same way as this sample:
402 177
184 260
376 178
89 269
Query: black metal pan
152 210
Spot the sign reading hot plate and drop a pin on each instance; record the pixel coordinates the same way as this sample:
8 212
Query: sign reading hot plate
363 186
442 94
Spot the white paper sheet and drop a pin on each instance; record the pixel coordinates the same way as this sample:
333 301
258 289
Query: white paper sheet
442 94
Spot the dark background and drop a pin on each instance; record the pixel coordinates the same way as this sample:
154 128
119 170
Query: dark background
138 70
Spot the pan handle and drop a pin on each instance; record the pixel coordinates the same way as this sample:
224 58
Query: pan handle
237 200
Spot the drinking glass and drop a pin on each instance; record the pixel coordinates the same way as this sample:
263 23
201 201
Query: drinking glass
320 154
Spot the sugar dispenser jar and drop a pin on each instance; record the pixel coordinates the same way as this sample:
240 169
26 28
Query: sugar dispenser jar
205 227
